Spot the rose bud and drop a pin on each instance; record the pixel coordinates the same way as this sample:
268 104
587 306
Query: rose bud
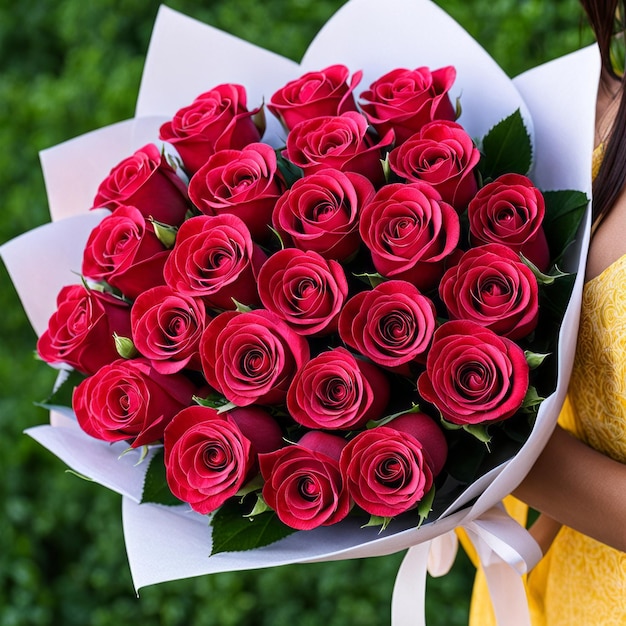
209 456
494 288
387 471
410 231
145 180
392 324
472 375
405 100
81 331
341 142
251 357
240 182
335 390
445 156
215 259
304 290
166 328
321 213
510 211
303 483
316 94
129 400
216 120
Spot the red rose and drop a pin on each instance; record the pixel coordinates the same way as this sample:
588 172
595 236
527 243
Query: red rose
340 142
303 483
493 287
145 180
386 471
510 211
210 456
321 213
251 357
303 289
215 259
124 251
392 324
445 156
404 100
242 182
410 231
335 390
315 94
166 328
81 331
215 120
472 375
129 400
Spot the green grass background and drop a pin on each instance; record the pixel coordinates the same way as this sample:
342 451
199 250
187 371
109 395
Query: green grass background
70 66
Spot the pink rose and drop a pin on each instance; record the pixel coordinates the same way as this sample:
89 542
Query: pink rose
241 182
81 331
321 213
215 259
392 324
510 211
335 390
124 251
410 231
472 375
445 156
166 328
404 100
145 180
494 288
303 483
129 400
216 120
210 456
316 94
251 357
304 290
341 142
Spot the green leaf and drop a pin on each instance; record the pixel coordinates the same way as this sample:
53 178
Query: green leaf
373 280
377 520
260 507
564 212
213 401
290 172
532 399
535 359
389 418
64 388
155 488
232 532
542 278
425 506
506 148
479 431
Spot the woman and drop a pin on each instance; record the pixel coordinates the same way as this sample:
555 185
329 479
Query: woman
579 481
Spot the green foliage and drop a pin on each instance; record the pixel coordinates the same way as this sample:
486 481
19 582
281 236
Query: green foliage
71 66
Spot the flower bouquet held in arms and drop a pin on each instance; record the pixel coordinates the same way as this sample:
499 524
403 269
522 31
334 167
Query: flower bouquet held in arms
322 327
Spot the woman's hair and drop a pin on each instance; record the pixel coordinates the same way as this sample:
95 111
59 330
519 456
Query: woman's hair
607 18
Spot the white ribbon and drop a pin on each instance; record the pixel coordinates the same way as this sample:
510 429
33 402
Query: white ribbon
506 551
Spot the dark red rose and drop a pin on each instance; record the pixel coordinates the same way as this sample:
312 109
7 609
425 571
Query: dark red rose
209 456
445 156
215 259
145 180
410 231
241 182
335 390
316 94
341 142
251 357
472 375
321 213
129 400
392 324
493 287
404 100
303 289
81 331
216 120
166 328
510 211
303 483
